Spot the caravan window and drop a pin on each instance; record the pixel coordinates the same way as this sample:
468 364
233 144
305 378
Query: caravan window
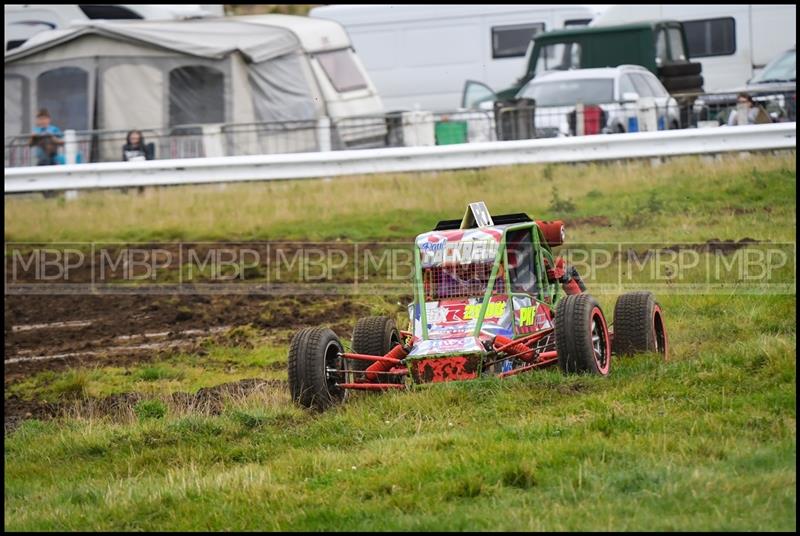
711 37
64 92
576 22
512 41
342 70
196 95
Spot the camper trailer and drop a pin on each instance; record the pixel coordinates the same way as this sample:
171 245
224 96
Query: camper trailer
23 21
245 85
733 42
419 56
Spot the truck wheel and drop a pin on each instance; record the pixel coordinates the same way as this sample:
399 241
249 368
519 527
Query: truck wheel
682 83
680 69
374 335
582 336
312 352
639 325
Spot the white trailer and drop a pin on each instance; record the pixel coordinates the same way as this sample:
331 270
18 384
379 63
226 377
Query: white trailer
23 21
732 42
419 56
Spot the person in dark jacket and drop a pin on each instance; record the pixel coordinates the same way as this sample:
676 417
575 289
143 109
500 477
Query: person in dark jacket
136 149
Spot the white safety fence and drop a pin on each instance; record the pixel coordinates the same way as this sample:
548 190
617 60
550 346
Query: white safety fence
387 160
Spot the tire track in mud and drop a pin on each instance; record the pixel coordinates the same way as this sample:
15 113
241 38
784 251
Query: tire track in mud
58 332
192 334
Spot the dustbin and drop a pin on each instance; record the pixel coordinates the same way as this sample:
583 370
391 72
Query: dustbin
515 119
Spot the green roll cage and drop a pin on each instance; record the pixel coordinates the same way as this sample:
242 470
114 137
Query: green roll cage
548 292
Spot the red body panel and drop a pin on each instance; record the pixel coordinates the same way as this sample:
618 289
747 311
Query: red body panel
444 369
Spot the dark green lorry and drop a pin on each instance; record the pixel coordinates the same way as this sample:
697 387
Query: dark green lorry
659 46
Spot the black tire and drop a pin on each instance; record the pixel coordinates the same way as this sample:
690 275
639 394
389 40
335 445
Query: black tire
682 83
639 325
312 351
680 69
582 338
374 335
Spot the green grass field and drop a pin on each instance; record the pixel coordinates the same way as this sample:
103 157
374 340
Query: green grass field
705 441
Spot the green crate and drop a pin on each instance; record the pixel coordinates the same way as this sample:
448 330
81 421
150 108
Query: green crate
448 132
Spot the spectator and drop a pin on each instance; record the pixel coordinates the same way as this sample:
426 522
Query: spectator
136 149
46 138
747 112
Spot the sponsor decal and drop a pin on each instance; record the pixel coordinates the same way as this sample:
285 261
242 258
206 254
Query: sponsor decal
461 312
527 316
493 310
436 249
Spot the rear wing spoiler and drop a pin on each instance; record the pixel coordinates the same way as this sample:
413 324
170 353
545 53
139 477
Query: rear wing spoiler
502 219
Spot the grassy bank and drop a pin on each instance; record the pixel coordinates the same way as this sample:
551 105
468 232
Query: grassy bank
695 198
706 441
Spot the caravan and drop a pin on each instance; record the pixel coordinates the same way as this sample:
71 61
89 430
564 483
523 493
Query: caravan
256 85
419 56
733 42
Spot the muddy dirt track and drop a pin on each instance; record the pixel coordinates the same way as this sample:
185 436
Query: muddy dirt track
52 332
101 319
55 332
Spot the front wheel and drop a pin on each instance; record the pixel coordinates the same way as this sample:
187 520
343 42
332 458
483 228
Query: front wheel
639 325
582 338
313 359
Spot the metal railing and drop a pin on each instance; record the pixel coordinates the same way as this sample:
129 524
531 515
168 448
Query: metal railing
778 136
512 120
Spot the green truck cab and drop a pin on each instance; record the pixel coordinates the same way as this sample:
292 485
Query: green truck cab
659 46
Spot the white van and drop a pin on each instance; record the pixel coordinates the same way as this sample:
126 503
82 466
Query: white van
419 56
23 21
732 42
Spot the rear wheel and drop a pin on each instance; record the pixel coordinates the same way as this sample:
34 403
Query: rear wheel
582 336
374 335
312 353
639 325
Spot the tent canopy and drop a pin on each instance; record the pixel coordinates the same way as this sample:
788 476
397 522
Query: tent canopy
206 38
119 75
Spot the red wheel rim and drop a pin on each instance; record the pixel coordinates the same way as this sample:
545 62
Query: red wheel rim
660 333
600 343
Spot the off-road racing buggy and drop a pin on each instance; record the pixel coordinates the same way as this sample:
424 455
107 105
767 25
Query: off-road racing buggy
490 298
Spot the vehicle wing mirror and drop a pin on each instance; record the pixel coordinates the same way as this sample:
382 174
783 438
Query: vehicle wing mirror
476 93
630 96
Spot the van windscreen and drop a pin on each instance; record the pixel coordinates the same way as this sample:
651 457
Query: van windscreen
342 70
